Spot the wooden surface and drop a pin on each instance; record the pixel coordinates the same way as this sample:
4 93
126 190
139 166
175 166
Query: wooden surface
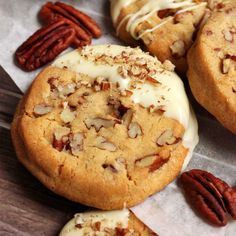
26 207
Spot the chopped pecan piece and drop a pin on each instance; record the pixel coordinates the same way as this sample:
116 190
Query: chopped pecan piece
134 130
44 45
226 66
152 80
210 196
96 226
168 65
62 91
228 63
76 141
60 138
67 115
153 162
178 48
167 138
123 71
79 226
101 83
103 144
127 117
42 109
98 123
53 82
121 231
228 35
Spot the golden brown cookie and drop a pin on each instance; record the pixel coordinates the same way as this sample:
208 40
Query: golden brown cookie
212 65
166 28
106 223
105 126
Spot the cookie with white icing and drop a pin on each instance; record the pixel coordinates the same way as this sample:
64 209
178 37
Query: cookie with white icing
105 126
212 65
166 28
106 223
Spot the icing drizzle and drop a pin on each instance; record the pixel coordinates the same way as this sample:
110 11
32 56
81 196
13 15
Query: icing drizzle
147 10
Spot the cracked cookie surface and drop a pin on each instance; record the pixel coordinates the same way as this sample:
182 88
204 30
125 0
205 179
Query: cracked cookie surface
105 129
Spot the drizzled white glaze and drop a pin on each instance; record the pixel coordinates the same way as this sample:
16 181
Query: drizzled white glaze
169 93
108 219
117 6
147 10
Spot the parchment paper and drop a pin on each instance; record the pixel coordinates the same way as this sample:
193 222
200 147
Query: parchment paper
167 212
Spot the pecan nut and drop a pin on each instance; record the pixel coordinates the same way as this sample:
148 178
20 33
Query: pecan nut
153 162
44 45
209 195
84 25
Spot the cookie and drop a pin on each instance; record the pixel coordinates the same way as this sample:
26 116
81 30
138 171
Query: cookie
106 126
106 223
212 65
165 28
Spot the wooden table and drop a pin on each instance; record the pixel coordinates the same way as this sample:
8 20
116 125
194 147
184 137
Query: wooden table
26 206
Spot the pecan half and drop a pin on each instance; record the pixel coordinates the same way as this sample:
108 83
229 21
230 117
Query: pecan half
44 45
209 195
84 25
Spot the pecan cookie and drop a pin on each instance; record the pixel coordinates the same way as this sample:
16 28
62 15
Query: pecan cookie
212 65
106 126
165 28
108 223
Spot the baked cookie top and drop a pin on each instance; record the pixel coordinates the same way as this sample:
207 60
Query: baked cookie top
166 27
213 78
105 126
106 223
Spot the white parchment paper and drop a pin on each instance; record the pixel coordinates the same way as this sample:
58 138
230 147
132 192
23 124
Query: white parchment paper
167 212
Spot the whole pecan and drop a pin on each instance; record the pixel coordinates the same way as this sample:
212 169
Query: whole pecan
44 45
84 25
209 195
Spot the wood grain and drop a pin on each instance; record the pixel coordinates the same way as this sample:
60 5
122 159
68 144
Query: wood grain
26 206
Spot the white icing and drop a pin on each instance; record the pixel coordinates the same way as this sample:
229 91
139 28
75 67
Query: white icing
117 6
168 94
89 68
148 9
108 219
190 137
